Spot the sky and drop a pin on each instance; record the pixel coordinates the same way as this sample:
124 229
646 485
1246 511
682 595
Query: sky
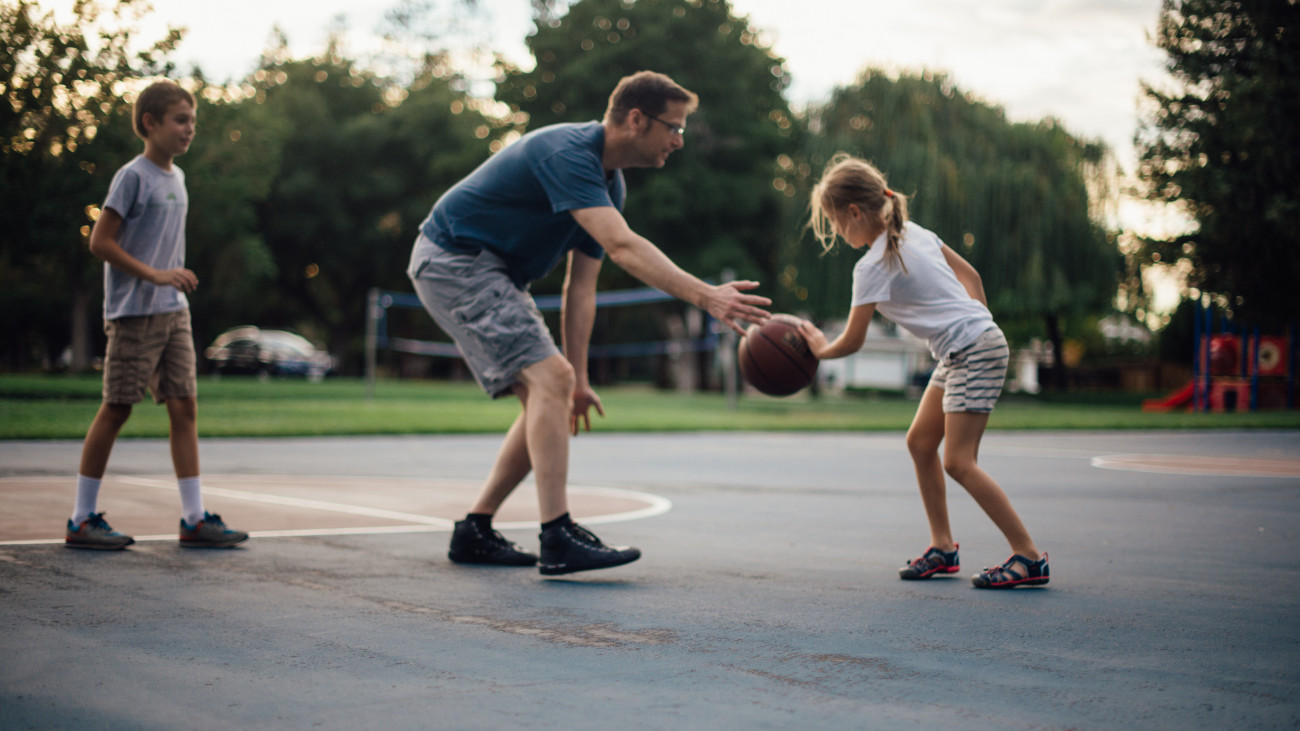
1080 61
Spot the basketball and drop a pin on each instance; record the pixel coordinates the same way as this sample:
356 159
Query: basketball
775 359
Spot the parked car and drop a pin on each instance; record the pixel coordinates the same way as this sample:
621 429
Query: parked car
249 349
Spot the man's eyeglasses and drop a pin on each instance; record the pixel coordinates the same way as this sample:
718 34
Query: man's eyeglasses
679 131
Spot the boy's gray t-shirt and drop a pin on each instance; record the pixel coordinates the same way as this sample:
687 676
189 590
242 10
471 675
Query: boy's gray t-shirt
152 203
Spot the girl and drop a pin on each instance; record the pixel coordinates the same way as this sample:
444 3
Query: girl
920 283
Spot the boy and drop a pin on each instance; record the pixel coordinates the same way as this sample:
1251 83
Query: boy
140 236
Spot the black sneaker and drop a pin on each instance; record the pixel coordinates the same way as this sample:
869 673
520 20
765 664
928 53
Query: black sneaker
471 544
569 548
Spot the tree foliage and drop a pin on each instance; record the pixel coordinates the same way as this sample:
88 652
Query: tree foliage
361 163
64 131
1225 146
229 169
1012 198
713 206
308 179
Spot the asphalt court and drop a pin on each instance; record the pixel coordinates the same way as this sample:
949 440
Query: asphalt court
288 505
767 596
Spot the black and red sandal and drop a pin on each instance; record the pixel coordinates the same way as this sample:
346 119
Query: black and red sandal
932 562
1017 571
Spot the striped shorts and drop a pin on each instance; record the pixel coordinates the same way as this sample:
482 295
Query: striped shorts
971 378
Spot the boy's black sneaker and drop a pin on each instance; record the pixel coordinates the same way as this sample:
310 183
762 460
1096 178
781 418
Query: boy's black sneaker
569 547
472 544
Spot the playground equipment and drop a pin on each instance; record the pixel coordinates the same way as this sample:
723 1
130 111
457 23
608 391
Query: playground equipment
1236 369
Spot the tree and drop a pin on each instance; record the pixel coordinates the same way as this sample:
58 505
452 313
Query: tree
362 161
64 131
229 168
714 206
1224 145
1015 199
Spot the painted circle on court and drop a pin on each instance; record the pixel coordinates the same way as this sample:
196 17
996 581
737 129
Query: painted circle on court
1183 464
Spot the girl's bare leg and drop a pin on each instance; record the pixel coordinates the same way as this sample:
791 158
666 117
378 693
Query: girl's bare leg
923 439
961 461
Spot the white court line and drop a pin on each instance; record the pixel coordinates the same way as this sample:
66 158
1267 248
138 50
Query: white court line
657 505
259 497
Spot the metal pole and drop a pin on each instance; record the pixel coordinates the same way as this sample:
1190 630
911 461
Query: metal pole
372 340
1290 367
1197 348
1254 372
727 358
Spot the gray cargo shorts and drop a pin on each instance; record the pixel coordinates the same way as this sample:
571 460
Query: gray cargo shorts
495 324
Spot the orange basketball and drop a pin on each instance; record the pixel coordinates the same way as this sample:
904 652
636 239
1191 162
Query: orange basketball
775 359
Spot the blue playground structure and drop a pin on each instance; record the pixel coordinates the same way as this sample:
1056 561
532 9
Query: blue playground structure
1235 369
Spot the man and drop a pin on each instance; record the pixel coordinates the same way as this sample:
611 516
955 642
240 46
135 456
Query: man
557 191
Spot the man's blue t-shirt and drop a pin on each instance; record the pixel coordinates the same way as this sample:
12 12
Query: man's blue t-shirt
517 204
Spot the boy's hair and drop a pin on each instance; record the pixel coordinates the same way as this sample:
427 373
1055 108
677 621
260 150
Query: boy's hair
648 91
155 100
850 180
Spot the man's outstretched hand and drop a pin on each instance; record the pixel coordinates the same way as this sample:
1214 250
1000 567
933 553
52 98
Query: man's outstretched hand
729 303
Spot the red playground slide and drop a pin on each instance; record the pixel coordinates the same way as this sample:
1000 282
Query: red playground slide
1178 399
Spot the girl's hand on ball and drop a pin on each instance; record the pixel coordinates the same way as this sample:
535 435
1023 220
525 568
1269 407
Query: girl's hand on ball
815 338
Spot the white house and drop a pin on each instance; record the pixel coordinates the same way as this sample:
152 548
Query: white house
890 360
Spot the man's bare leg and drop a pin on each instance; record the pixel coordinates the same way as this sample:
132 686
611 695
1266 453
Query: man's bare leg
511 467
547 395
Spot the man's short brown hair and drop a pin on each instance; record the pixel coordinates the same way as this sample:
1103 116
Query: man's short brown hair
648 91
155 100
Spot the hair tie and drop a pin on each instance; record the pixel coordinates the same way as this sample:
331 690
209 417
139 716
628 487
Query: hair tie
889 193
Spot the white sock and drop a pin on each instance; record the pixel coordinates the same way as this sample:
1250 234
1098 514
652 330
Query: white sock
191 500
87 498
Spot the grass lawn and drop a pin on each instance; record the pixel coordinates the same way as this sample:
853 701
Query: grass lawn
61 407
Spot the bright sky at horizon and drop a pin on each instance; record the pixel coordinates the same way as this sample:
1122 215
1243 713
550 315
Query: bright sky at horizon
1080 61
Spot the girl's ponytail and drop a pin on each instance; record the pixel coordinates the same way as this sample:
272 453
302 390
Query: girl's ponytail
895 220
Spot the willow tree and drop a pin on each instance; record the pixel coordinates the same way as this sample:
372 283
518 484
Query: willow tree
1013 198
1224 145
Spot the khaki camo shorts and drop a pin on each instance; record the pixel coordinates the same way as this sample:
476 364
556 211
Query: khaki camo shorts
149 351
